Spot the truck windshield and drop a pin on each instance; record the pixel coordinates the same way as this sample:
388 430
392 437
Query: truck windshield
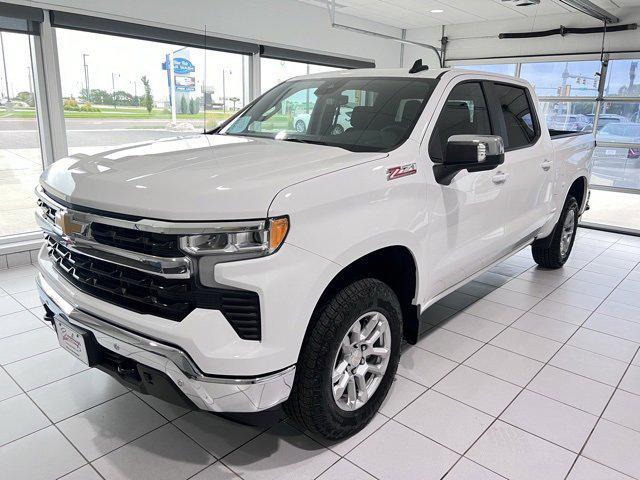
358 114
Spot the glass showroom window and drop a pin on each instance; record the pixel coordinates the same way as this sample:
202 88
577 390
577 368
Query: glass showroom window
569 115
502 68
114 99
563 79
20 154
273 72
615 198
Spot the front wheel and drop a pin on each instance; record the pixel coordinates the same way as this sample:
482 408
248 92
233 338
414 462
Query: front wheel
556 252
300 126
348 360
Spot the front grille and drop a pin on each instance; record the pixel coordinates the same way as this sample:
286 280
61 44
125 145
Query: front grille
158 244
146 293
48 210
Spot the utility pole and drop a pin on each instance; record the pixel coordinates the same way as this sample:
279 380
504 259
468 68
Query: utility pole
4 66
172 89
86 76
113 88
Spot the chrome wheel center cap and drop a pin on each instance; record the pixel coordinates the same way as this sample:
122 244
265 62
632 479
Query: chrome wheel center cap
355 358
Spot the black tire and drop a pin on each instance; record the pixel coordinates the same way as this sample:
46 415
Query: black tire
311 404
550 254
338 130
301 127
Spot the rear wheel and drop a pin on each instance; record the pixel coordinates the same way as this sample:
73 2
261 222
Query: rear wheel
556 252
300 126
348 360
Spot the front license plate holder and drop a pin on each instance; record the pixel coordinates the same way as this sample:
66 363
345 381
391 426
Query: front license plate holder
76 341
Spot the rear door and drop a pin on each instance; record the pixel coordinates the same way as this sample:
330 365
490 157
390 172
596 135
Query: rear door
528 161
466 221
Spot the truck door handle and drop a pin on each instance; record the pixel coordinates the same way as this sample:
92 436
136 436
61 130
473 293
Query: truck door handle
499 178
546 165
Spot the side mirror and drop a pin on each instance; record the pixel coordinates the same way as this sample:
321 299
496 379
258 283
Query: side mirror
474 153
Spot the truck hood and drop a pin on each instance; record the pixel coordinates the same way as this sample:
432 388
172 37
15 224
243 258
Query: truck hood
199 177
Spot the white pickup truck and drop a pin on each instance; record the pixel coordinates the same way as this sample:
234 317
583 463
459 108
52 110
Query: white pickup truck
257 265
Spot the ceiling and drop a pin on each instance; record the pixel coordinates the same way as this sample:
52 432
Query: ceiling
417 13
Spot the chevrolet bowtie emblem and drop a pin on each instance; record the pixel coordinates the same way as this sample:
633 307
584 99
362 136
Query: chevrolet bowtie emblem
66 223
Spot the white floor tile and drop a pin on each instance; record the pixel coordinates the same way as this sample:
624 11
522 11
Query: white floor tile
166 409
449 344
625 297
604 344
554 421
620 310
631 380
345 470
588 469
401 394
575 299
615 446
472 326
19 417
512 299
18 322
478 390
586 288
28 299
110 425
424 367
447 421
560 311
527 344
465 469
533 289
572 389
45 368
27 344
624 409
385 455
617 327
547 327
163 454
591 365
436 314
9 305
215 434
83 473
217 471
494 312
457 300
600 278
8 388
517 454
76 393
281 452
505 364
43 455
18 284
630 286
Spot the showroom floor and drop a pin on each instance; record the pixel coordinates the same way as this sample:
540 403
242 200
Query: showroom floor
539 379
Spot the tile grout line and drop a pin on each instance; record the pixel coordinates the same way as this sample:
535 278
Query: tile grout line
529 382
584 444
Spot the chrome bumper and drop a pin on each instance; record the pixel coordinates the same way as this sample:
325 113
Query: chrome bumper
217 394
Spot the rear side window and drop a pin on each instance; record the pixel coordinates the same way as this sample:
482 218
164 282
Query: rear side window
517 114
464 113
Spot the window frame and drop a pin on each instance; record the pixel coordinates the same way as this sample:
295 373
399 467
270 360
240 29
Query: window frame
492 125
532 108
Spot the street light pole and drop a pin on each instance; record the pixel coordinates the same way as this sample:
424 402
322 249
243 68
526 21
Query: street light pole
113 88
4 65
86 76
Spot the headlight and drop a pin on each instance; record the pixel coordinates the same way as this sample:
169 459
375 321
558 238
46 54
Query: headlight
251 239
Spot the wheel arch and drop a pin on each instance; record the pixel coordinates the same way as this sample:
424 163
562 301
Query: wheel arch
394 265
579 190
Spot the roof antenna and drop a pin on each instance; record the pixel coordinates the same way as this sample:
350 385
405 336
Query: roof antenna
418 67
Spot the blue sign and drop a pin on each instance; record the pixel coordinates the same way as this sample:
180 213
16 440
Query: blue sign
182 66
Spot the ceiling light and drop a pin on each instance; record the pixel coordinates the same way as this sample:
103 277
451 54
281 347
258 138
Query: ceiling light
437 10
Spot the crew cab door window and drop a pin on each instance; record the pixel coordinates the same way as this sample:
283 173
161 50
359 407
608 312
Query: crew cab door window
464 113
516 112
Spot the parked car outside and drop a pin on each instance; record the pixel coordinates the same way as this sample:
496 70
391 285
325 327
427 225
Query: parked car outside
618 165
301 121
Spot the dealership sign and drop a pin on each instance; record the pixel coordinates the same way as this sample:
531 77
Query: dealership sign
182 66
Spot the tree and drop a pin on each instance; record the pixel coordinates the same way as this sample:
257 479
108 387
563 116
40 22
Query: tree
234 100
192 107
184 105
26 97
147 99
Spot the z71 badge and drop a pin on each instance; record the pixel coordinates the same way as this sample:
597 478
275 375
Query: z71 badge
401 171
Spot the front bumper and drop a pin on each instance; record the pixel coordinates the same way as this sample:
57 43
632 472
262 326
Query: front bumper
218 394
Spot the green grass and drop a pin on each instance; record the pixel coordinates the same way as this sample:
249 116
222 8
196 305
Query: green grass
121 113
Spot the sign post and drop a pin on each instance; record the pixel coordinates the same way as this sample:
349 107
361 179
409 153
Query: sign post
172 88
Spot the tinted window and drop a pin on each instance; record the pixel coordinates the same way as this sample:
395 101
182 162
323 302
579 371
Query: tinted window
464 113
517 115
358 114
